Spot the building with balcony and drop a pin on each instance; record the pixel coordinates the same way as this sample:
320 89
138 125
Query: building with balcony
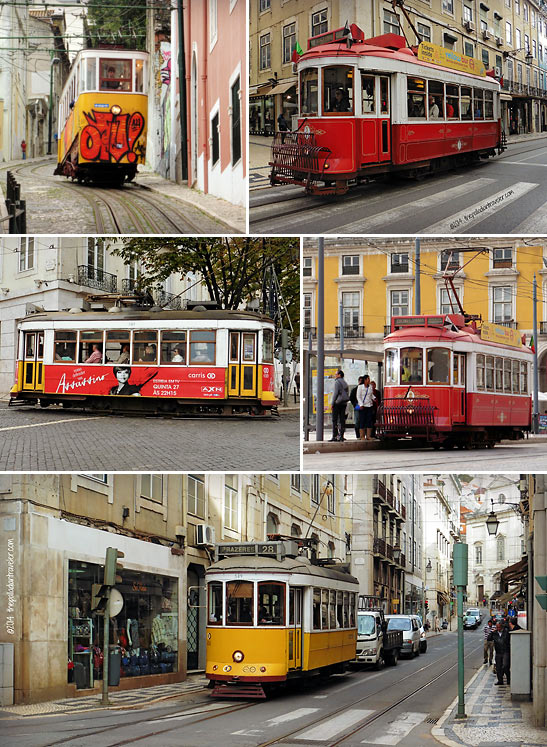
369 281
55 273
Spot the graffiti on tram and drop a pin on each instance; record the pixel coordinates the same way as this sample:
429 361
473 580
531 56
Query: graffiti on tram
135 381
110 137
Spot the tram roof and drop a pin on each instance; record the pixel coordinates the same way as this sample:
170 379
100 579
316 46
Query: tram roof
262 564
446 334
143 315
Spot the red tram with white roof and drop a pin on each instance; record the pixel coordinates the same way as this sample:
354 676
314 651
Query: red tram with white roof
450 382
376 106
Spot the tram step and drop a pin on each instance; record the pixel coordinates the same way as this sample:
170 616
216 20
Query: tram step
238 690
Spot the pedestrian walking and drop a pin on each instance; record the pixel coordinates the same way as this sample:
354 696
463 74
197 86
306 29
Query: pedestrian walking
340 398
282 125
24 149
501 646
365 399
489 642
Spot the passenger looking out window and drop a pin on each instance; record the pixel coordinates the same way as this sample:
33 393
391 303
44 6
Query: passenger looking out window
338 89
452 102
434 111
411 366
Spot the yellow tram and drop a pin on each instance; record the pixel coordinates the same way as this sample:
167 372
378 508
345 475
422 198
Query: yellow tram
275 615
102 116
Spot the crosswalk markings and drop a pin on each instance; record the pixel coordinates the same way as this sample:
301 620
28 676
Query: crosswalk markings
398 729
291 716
536 222
462 220
330 729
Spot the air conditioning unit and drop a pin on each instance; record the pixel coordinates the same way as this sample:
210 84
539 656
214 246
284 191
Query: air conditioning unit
204 535
497 72
469 25
486 34
499 41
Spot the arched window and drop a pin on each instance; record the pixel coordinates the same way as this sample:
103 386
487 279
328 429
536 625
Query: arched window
500 548
296 531
330 549
478 554
272 523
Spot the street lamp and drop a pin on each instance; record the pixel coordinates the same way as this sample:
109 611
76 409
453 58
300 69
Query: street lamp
528 58
492 522
54 61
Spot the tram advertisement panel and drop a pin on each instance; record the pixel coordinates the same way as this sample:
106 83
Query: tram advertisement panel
136 381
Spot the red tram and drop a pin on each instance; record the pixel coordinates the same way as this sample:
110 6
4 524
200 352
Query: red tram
375 106
452 383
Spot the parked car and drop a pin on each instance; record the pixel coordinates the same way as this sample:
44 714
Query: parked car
411 632
423 639
470 622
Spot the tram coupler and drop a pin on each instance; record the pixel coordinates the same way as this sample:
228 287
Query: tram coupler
238 690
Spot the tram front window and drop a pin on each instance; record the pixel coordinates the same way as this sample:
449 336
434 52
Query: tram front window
214 590
411 366
271 603
438 366
392 366
367 92
239 603
115 75
308 92
338 90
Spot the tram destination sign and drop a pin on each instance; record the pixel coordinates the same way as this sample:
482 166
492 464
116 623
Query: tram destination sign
448 58
270 549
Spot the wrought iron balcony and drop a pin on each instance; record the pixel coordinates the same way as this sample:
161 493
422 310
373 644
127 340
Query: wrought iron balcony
128 285
92 277
511 324
379 546
351 332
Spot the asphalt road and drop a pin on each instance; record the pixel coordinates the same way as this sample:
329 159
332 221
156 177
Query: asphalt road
524 455
503 195
54 439
396 705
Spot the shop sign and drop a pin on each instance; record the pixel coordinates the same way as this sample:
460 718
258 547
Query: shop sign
449 58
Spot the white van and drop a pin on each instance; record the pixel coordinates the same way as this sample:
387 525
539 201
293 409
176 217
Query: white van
411 632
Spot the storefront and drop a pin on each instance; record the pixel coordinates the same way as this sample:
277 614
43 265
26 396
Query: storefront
413 599
267 102
145 629
261 114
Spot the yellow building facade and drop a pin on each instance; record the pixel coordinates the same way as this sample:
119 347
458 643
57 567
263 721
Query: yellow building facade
368 281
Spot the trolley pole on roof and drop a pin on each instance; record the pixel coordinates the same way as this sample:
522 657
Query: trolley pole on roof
418 291
535 413
319 423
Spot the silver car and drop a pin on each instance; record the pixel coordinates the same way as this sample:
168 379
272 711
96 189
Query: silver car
411 632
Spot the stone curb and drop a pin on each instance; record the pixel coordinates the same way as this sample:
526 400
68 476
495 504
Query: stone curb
326 447
438 731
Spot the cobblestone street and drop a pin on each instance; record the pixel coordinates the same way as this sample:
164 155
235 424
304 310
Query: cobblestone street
54 439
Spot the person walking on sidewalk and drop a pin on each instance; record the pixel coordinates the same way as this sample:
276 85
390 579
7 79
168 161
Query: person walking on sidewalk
489 641
340 398
501 647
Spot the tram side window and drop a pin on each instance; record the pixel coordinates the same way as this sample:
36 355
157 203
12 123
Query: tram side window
324 609
352 600
115 75
435 100
411 366
384 95
523 377
339 609
480 371
466 103
489 373
139 76
173 347
239 603
267 346
65 346
489 104
332 610
392 366
507 376
202 346
367 94
478 108
308 92
118 346
145 346
316 611
452 102
215 603
499 374
91 74
271 603
416 98
438 366
346 610
91 346
515 367
338 89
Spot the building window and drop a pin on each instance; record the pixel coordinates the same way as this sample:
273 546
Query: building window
295 481
95 254
500 543
263 5
350 265
236 122
307 312
508 33
534 48
289 40
467 13
98 476
449 41
518 38
215 138
26 254
350 310
399 303
448 6
296 531
230 502
272 524
265 52
319 22
213 15
450 260
424 32
503 303
391 23
448 295
196 495
526 42
503 257
152 487
399 262
307 267
517 7
468 49
525 11
314 491
478 554
331 498
485 60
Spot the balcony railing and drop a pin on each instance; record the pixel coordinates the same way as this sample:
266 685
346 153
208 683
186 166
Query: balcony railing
351 332
543 328
379 546
511 324
92 277
160 297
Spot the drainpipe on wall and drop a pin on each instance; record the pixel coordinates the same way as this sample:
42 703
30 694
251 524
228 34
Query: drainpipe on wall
182 170
205 107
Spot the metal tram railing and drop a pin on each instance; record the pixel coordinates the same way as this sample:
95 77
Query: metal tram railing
296 158
398 417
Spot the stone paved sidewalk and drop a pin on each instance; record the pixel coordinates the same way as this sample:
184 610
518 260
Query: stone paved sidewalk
118 700
493 719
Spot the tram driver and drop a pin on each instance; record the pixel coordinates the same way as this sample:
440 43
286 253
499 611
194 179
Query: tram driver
341 101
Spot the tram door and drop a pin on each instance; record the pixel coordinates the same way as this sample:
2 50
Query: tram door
384 126
33 361
376 118
242 364
295 628
458 388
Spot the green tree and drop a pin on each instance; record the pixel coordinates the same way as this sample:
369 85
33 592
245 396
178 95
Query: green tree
117 22
234 270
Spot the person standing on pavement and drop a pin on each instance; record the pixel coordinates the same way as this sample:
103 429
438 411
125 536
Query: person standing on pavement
365 400
340 398
501 647
353 400
489 642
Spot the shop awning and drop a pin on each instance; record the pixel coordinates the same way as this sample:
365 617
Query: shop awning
283 87
442 598
269 90
262 91
505 97
516 572
507 596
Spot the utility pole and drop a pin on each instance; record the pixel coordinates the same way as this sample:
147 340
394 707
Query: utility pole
320 402
182 95
418 290
459 556
341 315
535 414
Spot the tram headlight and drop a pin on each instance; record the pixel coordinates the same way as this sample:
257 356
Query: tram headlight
238 657
116 109
262 669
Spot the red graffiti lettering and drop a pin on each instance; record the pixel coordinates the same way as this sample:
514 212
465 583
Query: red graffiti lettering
110 137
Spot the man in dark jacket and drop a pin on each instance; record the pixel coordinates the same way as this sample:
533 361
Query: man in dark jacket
501 647
340 398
